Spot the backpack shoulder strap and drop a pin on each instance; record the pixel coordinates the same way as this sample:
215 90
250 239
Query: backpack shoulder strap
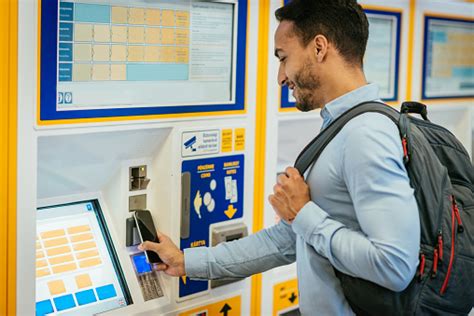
313 150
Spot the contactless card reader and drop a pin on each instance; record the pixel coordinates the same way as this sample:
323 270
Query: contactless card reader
148 279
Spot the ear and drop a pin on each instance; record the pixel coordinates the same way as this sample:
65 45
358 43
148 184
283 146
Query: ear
321 44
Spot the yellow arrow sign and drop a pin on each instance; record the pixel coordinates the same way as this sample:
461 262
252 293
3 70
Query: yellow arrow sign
230 212
183 278
228 307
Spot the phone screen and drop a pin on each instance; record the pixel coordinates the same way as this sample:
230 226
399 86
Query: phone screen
147 232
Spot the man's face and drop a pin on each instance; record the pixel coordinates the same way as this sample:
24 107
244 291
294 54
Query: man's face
298 67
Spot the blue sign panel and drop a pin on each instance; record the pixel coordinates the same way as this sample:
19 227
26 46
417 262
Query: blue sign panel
216 195
65 32
66 11
65 52
65 72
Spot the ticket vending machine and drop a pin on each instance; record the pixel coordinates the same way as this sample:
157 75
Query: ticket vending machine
136 105
87 260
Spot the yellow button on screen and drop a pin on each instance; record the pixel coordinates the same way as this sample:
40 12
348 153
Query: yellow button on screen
90 263
87 254
64 268
52 233
56 287
78 229
58 251
42 272
83 280
84 245
55 242
61 259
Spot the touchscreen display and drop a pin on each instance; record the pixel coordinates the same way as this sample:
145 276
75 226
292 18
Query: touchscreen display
77 270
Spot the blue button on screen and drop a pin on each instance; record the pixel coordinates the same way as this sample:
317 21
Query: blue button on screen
66 11
105 292
85 297
44 307
141 264
64 302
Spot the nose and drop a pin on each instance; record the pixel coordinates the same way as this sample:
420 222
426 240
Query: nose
282 78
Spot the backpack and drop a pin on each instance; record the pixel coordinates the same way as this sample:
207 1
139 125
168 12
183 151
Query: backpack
442 176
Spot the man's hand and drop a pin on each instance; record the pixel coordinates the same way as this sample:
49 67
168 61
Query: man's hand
290 194
172 257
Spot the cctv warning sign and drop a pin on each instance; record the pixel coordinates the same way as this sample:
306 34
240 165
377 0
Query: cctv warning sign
200 143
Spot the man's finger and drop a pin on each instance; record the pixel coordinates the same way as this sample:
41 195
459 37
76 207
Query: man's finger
274 201
292 172
282 178
277 189
161 266
161 236
148 245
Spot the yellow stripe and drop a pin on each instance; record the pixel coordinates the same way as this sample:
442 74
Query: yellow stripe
135 118
449 16
381 8
449 100
260 134
8 108
411 36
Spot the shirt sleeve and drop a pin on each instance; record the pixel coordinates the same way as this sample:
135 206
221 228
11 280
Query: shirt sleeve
269 248
385 249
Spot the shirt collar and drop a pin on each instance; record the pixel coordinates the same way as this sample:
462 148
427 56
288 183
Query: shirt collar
336 107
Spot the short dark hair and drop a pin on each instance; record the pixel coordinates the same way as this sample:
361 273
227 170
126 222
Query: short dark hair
343 22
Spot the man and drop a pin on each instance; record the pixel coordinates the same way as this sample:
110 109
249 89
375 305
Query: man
356 212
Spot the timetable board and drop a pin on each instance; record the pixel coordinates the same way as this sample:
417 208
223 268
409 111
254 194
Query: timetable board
127 58
448 58
77 271
382 56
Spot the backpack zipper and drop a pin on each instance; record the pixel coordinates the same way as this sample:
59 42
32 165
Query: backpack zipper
434 271
455 223
406 156
440 245
458 216
422 266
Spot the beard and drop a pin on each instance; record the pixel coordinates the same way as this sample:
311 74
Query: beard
307 83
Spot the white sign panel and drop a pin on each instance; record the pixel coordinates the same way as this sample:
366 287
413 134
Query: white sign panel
200 143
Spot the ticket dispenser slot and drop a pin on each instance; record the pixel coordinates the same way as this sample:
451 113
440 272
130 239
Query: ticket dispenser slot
138 178
227 233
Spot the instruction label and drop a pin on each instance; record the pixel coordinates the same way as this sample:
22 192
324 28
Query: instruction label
216 195
200 143
285 297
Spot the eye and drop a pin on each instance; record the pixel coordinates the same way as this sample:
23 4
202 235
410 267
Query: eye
282 59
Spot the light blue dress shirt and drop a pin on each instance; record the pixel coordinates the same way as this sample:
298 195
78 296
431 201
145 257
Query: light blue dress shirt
362 218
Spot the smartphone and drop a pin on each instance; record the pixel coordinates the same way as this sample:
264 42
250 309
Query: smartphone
147 232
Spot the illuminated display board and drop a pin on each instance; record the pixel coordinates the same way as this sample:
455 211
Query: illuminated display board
448 58
134 58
